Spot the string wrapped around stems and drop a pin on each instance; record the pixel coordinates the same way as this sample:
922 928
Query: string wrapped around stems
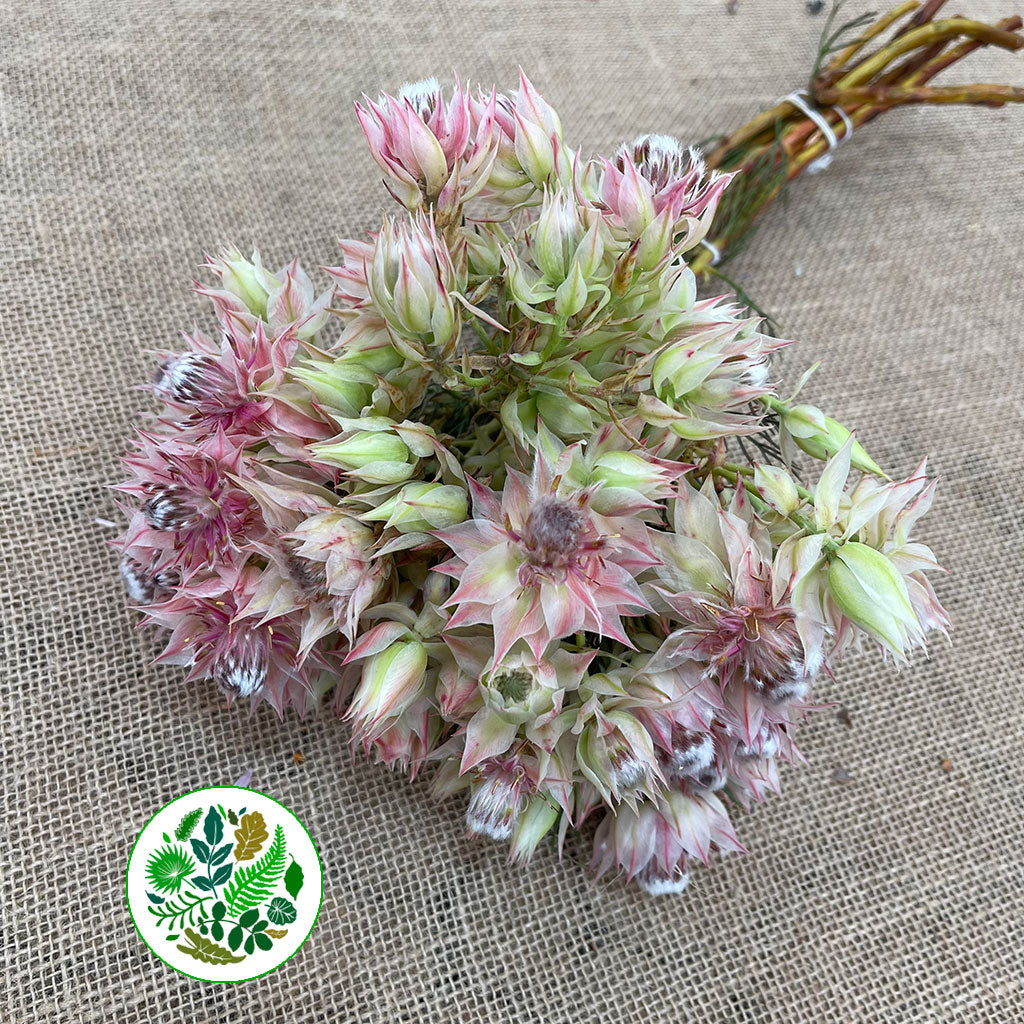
850 85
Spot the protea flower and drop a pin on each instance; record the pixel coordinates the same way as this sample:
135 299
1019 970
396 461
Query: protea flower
654 178
244 657
858 570
655 842
411 281
285 302
539 564
433 152
192 513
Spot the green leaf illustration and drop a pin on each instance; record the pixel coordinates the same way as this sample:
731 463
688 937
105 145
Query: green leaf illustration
218 910
293 879
167 838
202 883
249 918
250 945
167 868
281 911
153 898
222 874
235 938
262 940
213 826
232 818
221 854
175 912
201 850
217 931
188 824
208 951
255 882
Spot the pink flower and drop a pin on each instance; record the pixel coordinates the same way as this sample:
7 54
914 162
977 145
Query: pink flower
244 657
654 176
432 151
539 564
716 579
654 842
193 515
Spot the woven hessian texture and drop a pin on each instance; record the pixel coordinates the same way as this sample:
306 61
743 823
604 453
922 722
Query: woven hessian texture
136 137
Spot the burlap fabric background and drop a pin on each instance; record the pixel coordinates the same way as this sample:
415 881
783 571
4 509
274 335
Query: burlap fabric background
136 137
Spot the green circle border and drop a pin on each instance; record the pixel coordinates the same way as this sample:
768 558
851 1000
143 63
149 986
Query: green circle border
224 981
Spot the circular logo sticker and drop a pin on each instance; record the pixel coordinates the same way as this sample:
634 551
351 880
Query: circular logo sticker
224 884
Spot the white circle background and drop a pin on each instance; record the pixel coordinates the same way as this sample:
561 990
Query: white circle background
297 845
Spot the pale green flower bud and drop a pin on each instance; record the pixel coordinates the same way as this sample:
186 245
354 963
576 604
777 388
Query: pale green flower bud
558 233
870 591
345 388
777 488
682 368
248 279
376 456
483 251
411 279
571 295
420 507
534 151
391 682
821 437
533 824
627 469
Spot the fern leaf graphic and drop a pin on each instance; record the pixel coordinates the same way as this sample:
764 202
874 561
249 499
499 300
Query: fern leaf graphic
254 883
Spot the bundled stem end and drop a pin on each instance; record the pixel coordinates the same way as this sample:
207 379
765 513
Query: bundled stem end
851 84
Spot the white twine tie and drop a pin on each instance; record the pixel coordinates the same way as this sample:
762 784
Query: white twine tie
713 249
823 161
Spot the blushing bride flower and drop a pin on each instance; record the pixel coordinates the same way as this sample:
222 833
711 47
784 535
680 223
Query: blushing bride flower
484 488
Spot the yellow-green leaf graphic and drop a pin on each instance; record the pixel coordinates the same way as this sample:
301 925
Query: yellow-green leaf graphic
277 933
207 951
251 835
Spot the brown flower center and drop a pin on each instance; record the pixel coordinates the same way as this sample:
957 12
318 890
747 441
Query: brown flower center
553 532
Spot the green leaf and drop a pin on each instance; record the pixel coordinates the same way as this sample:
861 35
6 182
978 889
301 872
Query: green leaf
171 938
281 911
221 854
232 817
202 883
253 884
249 918
293 879
174 913
235 937
221 875
187 824
213 827
218 910
250 945
167 838
208 951
168 867
217 931
153 898
259 926
263 940
201 850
